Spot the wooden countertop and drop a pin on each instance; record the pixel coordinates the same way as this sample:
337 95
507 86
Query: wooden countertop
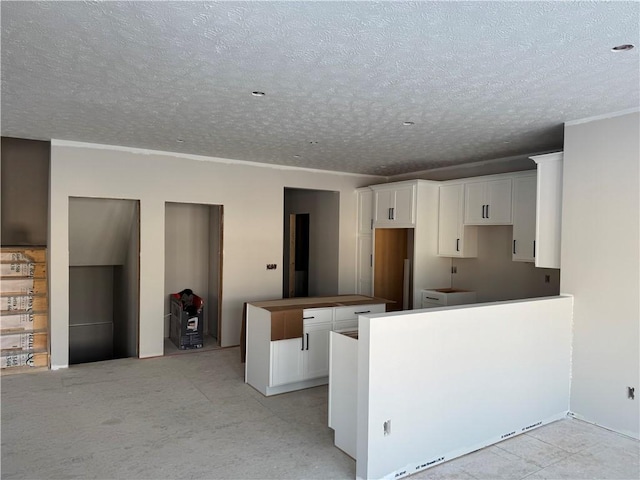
317 302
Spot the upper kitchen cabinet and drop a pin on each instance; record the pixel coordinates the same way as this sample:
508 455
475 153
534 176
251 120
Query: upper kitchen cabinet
524 218
488 202
365 211
454 239
548 209
394 205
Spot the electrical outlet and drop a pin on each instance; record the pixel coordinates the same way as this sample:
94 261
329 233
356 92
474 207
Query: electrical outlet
631 393
271 266
547 278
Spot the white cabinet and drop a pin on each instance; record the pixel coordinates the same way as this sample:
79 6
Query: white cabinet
365 265
524 218
548 209
299 359
365 211
394 205
286 361
364 260
454 239
279 366
315 361
488 202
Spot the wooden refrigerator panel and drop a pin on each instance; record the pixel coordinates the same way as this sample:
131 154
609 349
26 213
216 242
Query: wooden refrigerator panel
390 252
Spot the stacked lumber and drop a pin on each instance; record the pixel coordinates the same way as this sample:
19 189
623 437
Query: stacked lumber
24 317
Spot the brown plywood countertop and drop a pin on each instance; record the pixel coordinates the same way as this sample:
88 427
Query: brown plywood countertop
318 302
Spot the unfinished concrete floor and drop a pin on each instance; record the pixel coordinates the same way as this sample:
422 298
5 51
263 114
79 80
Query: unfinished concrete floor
192 416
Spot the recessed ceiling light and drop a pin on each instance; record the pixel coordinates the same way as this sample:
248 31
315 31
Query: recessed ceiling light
257 94
623 48
407 123
296 156
179 140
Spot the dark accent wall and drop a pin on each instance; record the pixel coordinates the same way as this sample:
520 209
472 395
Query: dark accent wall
24 191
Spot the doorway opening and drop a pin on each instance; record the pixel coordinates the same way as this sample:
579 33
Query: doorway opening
311 243
104 279
193 261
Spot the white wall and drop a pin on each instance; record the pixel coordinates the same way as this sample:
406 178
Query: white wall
252 196
453 380
600 260
494 276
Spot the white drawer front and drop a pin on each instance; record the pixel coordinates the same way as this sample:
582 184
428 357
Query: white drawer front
312 316
351 312
433 297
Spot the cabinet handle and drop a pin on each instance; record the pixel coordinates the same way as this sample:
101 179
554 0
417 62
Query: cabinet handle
307 318
457 244
371 260
372 224
389 216
307 341
360 313
483 212
302 338
514 247
393 213
487 211
432 298
534 249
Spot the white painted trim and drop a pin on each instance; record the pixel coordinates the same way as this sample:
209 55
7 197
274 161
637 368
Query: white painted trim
555 156
202 158
604 116
481 163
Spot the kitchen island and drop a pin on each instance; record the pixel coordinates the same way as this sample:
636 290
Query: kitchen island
287 340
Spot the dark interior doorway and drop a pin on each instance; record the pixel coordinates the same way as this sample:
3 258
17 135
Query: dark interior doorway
299 255
311 239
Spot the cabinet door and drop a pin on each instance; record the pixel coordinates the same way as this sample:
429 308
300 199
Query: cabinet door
364 267
403 211
384 201
524 218
365 211
474 203
498 202
286 361
316 352
449 220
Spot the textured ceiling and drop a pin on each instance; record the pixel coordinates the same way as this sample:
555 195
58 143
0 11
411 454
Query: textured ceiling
480 80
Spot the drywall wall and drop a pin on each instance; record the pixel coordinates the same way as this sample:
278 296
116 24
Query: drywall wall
126 308
99 230
600 258
186 253
216 230
24 191
449 381
495 277
323 209
252 196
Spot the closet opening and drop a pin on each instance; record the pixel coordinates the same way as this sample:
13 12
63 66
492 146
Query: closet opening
104 279
193 261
